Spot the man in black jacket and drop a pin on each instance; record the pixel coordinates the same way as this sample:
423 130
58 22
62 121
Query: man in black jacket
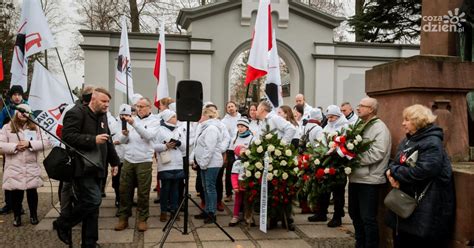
85 128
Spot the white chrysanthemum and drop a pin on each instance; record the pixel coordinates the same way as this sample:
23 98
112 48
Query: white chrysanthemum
283 163
350 146
275 172
271 148
356 142
296 169
317 162
269 176
284 176
268 136
258 174
283 143
260 149
319 139
257 142
347 170
308 145
246 164
248 152
270 159
332 134
277 152
288 153
295 160
358 138
248 173
270 167
331 144
259 165
326 171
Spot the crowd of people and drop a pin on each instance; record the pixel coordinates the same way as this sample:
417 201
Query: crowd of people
130 142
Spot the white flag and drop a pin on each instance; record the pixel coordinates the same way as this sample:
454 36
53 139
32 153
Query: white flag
123 72
160 68
34 36
48 96
273 85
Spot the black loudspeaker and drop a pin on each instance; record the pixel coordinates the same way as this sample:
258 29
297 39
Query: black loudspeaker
189 100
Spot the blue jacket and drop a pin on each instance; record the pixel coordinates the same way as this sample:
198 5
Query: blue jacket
4 117
434 216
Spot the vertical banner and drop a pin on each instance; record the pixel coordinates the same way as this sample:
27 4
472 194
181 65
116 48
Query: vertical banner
264 195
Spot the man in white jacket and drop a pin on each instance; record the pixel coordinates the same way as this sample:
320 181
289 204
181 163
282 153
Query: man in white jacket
230 121
138 158
284 129
299 100
349 113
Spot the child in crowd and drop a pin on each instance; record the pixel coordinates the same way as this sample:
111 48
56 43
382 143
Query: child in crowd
240 144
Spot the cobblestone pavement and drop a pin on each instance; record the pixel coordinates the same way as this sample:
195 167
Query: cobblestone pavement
306 235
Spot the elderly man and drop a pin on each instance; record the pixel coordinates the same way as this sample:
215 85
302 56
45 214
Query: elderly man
138 158
86 129
349 113
299 100
366 181
285 130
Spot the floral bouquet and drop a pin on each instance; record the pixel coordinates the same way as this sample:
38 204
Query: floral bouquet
282 174
333 158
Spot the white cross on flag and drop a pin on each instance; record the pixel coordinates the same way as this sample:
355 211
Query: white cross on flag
123 72
261 43
33 37
160 68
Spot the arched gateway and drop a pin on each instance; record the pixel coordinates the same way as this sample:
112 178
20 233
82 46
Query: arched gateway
327 72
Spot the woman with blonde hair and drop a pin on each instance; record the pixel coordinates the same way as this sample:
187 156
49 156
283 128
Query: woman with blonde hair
21 140
208 156
422 165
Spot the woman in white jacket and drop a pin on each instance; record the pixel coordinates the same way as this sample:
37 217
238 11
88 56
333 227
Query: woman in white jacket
208 156
169 144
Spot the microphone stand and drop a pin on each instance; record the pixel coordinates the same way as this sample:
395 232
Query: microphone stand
74 150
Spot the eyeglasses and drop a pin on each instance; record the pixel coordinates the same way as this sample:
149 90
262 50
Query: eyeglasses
142 106
362 105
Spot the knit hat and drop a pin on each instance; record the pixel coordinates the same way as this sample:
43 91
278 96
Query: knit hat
333 110
15 89
316 114
243 122
167 114
125 109
25 107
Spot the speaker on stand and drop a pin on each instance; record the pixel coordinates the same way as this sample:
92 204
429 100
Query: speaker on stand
188 108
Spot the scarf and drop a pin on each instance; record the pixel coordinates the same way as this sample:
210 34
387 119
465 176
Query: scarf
245 134
170 127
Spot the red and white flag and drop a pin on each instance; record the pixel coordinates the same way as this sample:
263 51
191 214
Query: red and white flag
34 36
273 85
160 68
261 43
1 68
123 72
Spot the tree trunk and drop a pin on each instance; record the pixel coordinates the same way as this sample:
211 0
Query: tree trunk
134 16
359 9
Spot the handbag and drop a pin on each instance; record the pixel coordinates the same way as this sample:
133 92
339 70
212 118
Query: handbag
403 204
165 157
58 165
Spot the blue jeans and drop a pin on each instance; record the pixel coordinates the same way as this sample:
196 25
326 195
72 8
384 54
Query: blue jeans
209 178
363 206
169 192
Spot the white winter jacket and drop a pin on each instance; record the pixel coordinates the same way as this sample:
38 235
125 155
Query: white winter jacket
207 150
285 130
164 136
230 123
139 141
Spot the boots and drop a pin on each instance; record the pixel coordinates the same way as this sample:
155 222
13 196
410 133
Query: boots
34 219
121 225
17 221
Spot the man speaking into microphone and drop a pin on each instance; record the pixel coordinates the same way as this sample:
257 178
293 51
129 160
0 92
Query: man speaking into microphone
86 129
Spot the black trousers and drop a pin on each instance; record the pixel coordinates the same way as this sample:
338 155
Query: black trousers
87 190
363 206
116 183
17 199
338 192
228 172
406 240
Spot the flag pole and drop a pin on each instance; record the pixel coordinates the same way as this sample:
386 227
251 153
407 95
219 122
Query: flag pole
246 96
64 72
126 79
